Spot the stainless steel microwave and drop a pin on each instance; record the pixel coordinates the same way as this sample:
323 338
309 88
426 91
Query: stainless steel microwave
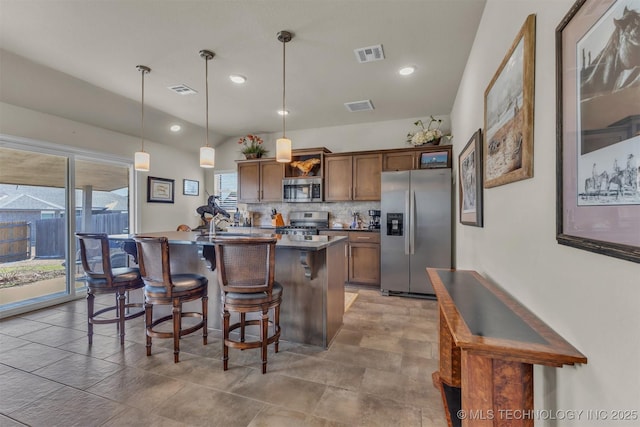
302 189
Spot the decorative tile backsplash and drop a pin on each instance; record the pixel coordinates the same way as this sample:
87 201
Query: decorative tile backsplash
339 212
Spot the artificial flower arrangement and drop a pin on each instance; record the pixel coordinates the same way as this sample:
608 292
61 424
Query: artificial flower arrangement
431 134
252 144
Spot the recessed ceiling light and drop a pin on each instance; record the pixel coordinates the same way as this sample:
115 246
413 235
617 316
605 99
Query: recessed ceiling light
283 112
175 128
406 71
236 78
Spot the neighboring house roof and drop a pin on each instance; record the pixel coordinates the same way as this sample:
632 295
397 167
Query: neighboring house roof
26 202
22 197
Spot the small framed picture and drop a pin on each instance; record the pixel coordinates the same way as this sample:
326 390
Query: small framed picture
190 187
434 159
470 181
160 190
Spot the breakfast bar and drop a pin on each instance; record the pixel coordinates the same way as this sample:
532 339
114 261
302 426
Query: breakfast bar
310 269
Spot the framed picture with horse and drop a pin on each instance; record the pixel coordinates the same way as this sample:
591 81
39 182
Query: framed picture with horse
598 128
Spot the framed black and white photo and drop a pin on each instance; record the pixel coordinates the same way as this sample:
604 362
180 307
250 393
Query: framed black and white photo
190 187
598 128
470 181
160 190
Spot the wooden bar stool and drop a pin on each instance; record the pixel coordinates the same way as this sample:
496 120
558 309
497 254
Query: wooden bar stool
245 267
103 279
163 288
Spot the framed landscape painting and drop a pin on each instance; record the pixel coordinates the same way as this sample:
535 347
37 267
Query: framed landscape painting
470 181
598 128
508 113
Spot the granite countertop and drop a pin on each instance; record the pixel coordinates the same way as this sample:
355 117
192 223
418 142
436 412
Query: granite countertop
312 243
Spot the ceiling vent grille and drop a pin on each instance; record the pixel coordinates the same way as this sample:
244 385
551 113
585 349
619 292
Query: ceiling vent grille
359 106
369 54
182 90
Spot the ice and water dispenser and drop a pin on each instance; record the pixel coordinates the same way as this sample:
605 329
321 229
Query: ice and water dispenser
395 224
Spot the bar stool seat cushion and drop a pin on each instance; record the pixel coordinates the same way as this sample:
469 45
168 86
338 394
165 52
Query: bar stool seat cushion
239 297
182 283
120 275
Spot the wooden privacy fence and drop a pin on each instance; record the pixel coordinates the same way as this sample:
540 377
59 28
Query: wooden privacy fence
14 241
50 233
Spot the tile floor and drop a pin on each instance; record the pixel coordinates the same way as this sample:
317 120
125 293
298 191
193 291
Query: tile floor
376 373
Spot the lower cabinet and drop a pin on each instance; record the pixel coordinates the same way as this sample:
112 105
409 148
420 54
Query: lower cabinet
362 260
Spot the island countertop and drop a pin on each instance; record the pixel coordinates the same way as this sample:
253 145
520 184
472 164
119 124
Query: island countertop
308 243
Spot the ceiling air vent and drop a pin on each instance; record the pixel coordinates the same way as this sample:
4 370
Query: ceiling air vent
182 90
359 106
369 54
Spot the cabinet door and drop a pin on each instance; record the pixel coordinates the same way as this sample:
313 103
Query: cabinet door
364 263
366 176
271 174
248 182
399 161
338 178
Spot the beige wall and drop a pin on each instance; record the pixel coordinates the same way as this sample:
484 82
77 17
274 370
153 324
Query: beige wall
42 129
590 299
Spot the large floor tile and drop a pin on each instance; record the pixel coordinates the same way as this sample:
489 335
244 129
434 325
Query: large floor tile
32 356
137 388
54 336
20 389
78 371
297 394
201 406
274 416
68 407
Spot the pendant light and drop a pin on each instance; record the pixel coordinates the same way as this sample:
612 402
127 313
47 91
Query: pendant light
283 145
141 158
207 153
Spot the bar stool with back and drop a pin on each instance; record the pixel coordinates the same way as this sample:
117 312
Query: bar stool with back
102 279
246 267
163 288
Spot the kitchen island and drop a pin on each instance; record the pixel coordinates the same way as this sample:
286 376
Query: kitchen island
310 269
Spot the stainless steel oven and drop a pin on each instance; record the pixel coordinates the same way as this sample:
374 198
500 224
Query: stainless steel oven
302 189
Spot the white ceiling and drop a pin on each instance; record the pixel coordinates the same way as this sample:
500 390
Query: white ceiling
77 59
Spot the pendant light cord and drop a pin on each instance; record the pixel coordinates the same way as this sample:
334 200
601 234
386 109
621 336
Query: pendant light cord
206 79
142 71
284 112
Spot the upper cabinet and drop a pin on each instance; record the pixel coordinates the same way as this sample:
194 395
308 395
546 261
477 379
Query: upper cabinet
400 160
412 158
352 177
260 181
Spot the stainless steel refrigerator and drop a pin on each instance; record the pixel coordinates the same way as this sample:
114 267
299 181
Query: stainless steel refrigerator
415 229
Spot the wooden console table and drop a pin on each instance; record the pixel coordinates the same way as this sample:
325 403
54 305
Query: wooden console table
488 345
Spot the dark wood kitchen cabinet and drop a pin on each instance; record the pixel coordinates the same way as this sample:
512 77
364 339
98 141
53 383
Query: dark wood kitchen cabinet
260 181
362 256
352 177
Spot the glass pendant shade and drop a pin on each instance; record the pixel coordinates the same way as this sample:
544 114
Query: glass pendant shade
141 161
283 150
207 157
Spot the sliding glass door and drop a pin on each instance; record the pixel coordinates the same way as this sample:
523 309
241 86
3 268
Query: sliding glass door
39 214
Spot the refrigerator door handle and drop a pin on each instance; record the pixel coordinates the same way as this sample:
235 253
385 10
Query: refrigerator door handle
412 223
407 247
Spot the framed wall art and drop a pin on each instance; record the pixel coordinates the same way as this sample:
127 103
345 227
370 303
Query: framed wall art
160 190
598 128
434 159
190 187
470 181
508 113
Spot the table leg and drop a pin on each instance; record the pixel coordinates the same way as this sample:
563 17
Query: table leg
496 392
